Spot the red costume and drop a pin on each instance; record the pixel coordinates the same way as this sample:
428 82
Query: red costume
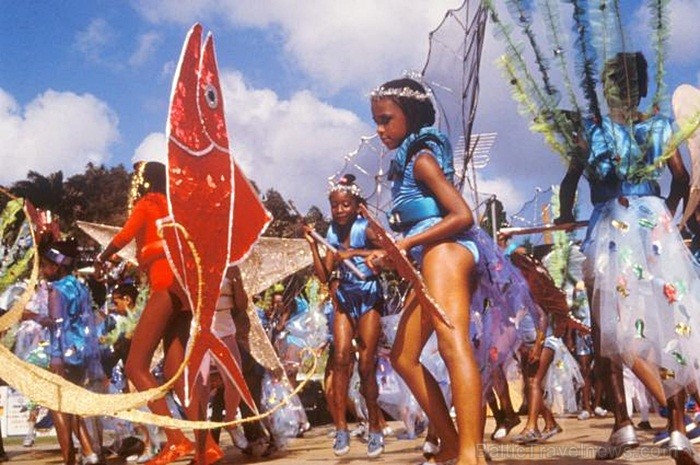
150 251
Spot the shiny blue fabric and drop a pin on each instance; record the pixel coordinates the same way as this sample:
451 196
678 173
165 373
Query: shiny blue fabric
616 150
463 238
356 296
613 152
75 338
405 188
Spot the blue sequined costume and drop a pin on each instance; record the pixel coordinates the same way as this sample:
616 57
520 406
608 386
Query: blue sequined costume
74 339
646 290
355 296
502 298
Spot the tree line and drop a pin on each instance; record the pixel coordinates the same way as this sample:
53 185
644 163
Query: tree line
100 195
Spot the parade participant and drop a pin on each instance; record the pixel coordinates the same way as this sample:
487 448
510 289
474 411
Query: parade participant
164 316
641 280
537 359
358 304
233 298
435 220
74 350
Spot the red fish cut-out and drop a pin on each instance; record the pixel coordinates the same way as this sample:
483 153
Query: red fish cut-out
215 215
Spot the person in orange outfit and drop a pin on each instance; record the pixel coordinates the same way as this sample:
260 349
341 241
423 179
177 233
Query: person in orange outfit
165 316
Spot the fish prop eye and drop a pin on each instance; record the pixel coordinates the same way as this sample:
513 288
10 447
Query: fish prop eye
211 96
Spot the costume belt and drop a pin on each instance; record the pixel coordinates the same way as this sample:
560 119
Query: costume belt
406 215
642 189
151 252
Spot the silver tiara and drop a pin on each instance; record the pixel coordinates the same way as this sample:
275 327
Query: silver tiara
405 92
352 189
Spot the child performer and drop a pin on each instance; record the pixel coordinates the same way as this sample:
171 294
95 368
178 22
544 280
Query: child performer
233 298
435 221
358 304
74 349
164 316
645 292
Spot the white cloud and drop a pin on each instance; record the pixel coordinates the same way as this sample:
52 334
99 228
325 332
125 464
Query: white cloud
290 145
152 148
55 131
94 39
339 44
683 41
146 47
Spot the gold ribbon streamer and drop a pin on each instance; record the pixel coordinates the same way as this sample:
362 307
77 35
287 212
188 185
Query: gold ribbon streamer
56 393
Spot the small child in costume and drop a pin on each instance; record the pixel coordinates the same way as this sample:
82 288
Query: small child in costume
74 349
358 304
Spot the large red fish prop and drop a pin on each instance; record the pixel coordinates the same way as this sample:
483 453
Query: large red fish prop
216 216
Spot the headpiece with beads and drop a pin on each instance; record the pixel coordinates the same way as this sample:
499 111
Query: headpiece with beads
346 184
403 92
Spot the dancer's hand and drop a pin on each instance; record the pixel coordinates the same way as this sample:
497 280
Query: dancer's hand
377 260
308 229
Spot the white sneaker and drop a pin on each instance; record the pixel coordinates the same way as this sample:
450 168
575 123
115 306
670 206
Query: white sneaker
145 457
430 448
600 412
238 438
500 433
29 439
91 459
584 415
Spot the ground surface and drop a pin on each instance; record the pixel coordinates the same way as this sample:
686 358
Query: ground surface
576 445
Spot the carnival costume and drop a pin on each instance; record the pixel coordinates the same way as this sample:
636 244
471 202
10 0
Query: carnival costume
74 336
502 297
356 296
150 251
643 273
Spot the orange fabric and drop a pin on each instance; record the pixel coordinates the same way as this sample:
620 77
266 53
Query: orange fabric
141 227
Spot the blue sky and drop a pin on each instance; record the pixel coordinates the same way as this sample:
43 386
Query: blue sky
90 81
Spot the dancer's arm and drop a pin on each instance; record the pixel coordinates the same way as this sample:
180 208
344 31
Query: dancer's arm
680 183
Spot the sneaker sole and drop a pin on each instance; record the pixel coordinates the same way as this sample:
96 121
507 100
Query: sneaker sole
340 452
375 454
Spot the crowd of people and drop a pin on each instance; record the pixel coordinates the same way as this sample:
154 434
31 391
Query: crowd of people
483 311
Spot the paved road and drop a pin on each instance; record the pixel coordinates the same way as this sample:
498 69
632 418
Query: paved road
576 445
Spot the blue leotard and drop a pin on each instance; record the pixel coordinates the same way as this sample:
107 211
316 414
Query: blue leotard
414 206
355 296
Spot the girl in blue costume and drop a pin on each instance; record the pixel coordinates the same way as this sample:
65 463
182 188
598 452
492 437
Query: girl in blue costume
358 303
645 291
453 256
74 348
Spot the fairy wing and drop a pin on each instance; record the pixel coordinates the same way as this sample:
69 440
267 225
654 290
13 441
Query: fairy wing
451 72
686 105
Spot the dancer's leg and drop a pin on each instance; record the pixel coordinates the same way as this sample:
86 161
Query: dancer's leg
368 330
584 362
343 358
448 270
64 433
152 325
412 334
